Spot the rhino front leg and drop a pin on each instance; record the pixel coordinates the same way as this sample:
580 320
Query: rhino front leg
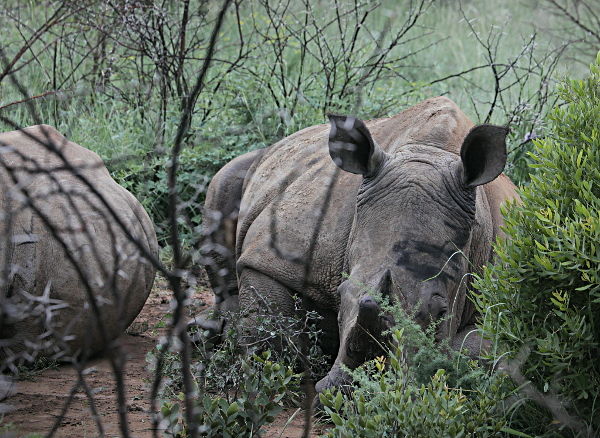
264 300
288 312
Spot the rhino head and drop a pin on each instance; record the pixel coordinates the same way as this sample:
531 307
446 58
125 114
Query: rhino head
420 224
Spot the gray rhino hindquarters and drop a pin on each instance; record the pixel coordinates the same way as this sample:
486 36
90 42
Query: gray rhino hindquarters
371 208
75 249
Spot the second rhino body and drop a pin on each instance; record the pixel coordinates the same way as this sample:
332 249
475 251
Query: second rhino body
405 206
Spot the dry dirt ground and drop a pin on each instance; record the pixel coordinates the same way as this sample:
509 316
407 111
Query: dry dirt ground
35 403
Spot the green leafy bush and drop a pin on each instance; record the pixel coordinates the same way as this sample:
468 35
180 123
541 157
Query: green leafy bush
219 369
388 403
264 386
242 388
426 356
149 181
543 297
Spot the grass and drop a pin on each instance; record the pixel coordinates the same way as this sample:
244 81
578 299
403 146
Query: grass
9 430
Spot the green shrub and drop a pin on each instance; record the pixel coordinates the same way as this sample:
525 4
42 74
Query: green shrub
149 181
421 388
543 297
426 357
31 371
241 388
264 386
219 369
387 402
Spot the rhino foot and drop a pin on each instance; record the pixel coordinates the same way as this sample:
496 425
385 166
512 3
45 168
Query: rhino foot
336 378
213 320
207 321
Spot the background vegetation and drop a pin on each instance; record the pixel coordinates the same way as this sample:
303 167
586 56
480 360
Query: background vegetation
116 75
169 91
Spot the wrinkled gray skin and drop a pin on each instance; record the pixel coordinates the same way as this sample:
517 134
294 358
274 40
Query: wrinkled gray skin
48 277
407 194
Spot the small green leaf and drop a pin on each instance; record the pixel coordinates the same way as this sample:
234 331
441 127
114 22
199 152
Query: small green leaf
233 408
510 431
338 401
337 420
325 400
361 408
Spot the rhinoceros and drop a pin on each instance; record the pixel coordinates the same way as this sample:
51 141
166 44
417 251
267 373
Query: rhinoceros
69 251
401 207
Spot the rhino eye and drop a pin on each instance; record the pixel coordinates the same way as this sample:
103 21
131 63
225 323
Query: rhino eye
438 308
442 313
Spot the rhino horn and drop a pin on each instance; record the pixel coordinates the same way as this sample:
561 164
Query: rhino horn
364 339
386 285
368 314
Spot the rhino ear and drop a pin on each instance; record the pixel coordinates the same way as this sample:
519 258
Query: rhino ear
483 154
351 146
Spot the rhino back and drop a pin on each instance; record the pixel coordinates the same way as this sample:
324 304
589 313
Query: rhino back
437 122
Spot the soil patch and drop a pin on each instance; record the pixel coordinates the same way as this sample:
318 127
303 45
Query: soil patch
37 402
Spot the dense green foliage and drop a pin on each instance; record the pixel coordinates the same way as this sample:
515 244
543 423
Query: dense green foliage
388 403
226 356
264 386
542 300
239 388
426 356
